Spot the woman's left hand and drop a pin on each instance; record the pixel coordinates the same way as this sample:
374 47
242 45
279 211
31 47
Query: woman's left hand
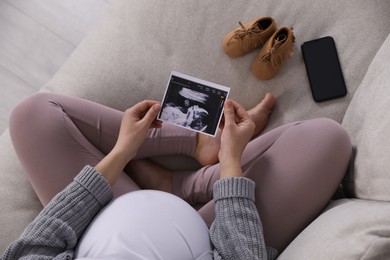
237 130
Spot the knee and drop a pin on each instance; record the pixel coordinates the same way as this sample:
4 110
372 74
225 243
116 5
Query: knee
29 111
333 130
332 135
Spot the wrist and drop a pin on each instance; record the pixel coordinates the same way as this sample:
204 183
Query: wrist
122 153
112 165
230 169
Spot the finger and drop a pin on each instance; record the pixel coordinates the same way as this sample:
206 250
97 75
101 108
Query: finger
229 115
240 111
152 113
139 110
142 107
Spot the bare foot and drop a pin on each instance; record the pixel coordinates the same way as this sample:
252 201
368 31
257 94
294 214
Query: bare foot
207 147
260 113
150 175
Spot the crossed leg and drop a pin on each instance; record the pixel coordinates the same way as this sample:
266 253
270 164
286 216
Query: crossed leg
55 136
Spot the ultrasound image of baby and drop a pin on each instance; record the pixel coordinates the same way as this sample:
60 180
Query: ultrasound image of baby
186 110
193 103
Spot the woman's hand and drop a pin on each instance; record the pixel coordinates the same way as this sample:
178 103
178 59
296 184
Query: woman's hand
136 122
237 131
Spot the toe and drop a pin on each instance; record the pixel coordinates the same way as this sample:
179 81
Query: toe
268 102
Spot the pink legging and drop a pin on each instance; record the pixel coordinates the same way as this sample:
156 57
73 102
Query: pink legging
297 167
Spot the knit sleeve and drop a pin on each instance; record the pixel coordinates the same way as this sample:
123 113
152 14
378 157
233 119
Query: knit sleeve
55 231
237 231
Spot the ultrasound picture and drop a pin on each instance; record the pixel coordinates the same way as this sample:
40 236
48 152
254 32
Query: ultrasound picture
193 105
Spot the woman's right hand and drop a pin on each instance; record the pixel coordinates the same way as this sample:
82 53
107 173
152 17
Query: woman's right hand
237 131
135 125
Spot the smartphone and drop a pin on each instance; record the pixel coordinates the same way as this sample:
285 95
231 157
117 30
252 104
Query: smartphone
323 69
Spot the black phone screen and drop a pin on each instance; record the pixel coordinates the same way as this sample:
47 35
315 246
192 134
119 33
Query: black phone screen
323 69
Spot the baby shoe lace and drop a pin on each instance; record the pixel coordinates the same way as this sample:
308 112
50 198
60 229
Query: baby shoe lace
242 32
272 55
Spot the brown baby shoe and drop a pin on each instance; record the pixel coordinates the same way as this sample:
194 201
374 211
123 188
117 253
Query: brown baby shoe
274 52
248 36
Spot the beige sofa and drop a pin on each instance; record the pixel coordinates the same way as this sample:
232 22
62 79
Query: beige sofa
130 53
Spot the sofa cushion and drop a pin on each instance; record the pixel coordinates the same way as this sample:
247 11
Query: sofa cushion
19 204
368 122
346 230
129 56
